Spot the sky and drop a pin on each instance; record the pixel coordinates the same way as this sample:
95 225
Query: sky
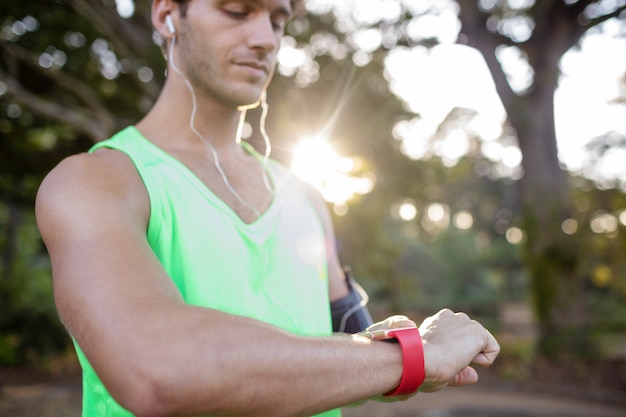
582 102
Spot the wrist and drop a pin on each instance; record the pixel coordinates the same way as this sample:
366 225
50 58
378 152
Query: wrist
413 371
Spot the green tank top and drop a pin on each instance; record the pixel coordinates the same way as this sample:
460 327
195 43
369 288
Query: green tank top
273 269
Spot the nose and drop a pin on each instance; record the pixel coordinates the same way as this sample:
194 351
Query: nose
263 35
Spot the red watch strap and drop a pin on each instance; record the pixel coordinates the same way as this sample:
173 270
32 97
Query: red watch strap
412 358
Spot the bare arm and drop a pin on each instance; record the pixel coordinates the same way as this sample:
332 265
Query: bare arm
158 356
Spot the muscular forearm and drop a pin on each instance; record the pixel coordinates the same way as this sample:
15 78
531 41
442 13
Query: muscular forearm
226 365
158 356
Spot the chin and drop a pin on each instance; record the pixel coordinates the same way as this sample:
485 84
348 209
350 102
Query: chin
250 102
249 106
244 95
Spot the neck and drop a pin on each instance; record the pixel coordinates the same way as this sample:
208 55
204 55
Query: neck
169 122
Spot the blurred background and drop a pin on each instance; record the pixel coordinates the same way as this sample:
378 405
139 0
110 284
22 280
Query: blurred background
473 154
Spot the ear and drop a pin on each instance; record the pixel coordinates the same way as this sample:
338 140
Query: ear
161 9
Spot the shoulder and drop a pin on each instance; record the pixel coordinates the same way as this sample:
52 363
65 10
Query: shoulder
87 185
319 204
309 192
105 171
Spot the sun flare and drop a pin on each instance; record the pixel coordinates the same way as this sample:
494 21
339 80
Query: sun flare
316 162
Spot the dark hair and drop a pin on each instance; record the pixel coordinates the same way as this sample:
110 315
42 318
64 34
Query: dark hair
296 5
183 7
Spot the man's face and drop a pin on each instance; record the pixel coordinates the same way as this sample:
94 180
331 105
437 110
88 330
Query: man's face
228 48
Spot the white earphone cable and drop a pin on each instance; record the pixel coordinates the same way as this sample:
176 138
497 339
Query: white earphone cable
216 159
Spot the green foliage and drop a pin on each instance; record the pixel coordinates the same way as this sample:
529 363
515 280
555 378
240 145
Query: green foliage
515 359
69 76
58 52
29 326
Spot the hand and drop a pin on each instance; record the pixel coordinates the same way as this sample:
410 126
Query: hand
451 343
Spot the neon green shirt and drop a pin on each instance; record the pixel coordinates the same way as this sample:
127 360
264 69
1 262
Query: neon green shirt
273 269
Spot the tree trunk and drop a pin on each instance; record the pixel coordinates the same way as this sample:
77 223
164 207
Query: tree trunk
551 257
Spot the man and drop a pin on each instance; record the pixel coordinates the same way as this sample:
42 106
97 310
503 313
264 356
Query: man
194 277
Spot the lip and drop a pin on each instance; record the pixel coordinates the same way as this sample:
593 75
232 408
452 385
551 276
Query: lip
256 66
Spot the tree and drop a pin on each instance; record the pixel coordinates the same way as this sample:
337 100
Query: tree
552 258
73 71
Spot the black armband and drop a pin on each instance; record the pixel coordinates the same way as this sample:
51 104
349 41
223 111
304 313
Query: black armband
349 313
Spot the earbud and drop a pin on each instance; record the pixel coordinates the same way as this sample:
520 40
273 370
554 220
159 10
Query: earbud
170 24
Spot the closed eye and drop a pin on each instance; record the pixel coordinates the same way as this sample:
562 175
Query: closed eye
278 25
237 15
236 10
280 19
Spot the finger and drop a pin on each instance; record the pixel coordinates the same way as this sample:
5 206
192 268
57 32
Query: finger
465 377
379 325
489 353
402 322
485 358
389 323
393 320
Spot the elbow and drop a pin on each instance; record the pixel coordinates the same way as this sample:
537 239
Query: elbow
146 396
144 405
